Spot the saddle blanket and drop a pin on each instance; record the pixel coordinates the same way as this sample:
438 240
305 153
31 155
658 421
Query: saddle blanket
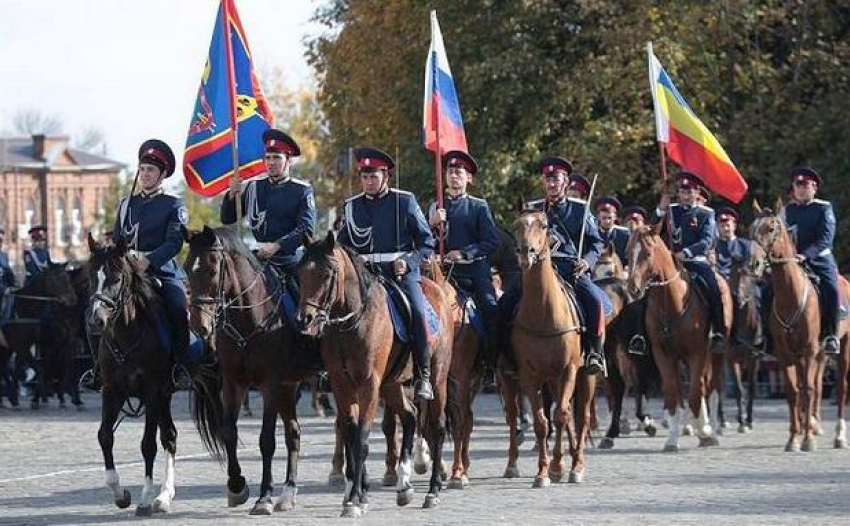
471 312
402 331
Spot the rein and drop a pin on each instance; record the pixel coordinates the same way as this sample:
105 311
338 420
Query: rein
347 322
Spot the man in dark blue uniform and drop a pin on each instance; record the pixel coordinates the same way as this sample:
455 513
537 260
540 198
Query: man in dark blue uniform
567 220
693 233
37 257
578 187
607 211
387 228
469 238
812 222
7 281
280 209
152 224
730 249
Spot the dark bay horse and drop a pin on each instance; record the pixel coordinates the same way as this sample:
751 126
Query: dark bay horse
795 327
235 306
546 343
345 304
124 316
677 326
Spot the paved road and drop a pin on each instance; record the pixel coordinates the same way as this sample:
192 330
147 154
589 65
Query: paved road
51 473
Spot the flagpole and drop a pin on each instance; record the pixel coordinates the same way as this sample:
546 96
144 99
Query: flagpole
234 123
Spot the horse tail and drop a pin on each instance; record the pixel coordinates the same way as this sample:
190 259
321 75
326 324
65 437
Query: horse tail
206 407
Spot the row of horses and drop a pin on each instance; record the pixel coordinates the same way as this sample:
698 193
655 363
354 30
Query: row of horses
343 312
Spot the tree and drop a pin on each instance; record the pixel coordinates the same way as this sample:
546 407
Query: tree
31 121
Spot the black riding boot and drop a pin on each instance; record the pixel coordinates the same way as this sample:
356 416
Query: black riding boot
718 333
90 379
179 374
594 354
422 389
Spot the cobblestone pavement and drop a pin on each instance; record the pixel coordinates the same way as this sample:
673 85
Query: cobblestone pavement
51 473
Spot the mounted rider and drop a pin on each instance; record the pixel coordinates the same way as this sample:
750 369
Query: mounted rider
387 229
37 257
607 211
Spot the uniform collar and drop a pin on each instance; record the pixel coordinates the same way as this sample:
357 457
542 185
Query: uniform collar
380 195
154 193
455 198
557 202
279 181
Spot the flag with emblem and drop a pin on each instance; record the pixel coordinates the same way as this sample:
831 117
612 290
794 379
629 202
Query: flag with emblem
687 141
442 124
230 113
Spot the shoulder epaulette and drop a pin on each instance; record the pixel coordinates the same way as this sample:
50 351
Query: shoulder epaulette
354 197
620 227
577 200
476 199
704 207
821 202
400 192
537 203
302 182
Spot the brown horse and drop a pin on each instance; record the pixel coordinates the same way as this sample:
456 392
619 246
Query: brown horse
609 265
344 303
546 342
677 326
795 327
235 306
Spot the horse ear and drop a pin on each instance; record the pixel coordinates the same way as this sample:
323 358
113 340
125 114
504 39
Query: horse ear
330 241
655 229
92 243
779 206
306 239
520 204
756 207
121 246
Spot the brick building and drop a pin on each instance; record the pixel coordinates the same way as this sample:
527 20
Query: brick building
43 181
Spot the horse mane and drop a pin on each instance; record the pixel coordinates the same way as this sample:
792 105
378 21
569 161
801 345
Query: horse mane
318 252
232 244
144 300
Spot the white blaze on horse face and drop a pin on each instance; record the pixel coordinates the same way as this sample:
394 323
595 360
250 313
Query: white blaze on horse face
197 265
101 281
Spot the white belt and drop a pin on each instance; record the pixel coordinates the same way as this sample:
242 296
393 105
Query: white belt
697 258
384 257
558 254
824 252
138 253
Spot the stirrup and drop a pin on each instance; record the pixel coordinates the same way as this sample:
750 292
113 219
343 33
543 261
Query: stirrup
422 390
594 363
831 346
637 345
180 377
89 381
717 343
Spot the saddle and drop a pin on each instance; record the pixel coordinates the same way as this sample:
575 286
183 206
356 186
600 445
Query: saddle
401 311
470 311
843 301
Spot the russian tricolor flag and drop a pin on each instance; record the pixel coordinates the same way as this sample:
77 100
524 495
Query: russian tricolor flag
442 124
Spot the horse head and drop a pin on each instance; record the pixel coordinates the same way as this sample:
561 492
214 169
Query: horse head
769 232
204 268
649 259
531 230
746 275
319 279
608 265
55 282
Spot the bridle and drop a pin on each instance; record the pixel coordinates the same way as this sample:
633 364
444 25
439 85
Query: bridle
345 323
219 305
525 250
774 238
114 307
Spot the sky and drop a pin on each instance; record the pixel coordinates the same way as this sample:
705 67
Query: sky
131 68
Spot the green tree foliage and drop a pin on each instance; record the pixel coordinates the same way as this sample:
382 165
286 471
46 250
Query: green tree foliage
770 78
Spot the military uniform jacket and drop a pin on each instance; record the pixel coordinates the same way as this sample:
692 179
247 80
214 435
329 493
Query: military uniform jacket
619 237
566 220
7 275
36 259
692 229
280 212
813 227
731 252
154 225
469 228
388 226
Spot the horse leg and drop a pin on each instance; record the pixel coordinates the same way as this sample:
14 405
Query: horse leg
292 435
397 402
512 399
583 385
232 396
467 429
357 502
459 405
617 392
388 426
336 478
145 507
792 394
541 432
168 440
563 417
810 401
718 378
820 362
268 443
315 402
752 379
671 382
435 433
738 389
841 380
110 407
701 382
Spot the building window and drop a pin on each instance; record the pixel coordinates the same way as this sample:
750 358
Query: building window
29 218
4 220
59 224
76 223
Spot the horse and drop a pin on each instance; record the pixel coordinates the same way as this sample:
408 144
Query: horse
795 329
546 342
124 315
235 307
742 353
627 374
37 304
345 305
677 326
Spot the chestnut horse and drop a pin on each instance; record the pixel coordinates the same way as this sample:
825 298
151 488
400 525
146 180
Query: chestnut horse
345 305
795 327
235 306
545 338
677 326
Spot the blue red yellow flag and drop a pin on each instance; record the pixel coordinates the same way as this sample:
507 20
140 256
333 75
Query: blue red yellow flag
229 88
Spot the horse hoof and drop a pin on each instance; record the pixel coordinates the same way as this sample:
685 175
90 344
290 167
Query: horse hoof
144 511
351 511
576 477
625 427
444 472
390 479
671 448
162 505
125 501
263 506
839 443
743 429
455 483
556 476
464 480
606 443
709 441
511 472
404 497
650 430
809 444
541 482
286 502
35 405
80 408
420 469
431 501
719 431
237 499
792 446
336 480
688 430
